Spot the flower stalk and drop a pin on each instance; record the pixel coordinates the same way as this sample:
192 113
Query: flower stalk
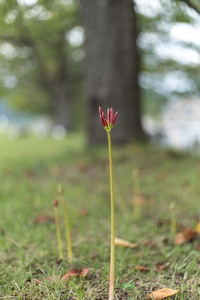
136 194
172 219
67 225
60 246
112 250
108 125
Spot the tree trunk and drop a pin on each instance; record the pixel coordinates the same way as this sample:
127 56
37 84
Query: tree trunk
112 68
61 108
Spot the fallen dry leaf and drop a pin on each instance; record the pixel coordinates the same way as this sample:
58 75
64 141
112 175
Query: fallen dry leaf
82 165
198 247
123 243
44 219
74 272
29 173
51 279
160 223
141 268
162 294
65 277
189 234
152 200
59 262
54 170
198 228
160 266
165 241
139 199
149 243
162 175
179 238
82 212
94 255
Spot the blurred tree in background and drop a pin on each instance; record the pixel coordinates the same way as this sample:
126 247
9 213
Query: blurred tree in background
170 51
40 68
41 58
112 67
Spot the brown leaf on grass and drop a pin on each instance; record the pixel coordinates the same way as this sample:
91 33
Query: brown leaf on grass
162 294
65 277
152 200
189 234
141 268
29 174
59 262
94 255
160 223
51 279
74 272
82 165
198 247
160 266
123 243
54 170
165 241
140 199
162 175
44 219
82 212
149 243
179 238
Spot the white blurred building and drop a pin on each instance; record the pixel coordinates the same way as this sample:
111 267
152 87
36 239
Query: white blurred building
179 125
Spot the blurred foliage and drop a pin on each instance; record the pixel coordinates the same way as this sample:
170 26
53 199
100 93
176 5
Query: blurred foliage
155 23
37 56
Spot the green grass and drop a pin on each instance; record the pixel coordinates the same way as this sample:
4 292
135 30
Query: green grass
30 170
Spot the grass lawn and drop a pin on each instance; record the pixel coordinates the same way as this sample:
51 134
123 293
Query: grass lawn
30 171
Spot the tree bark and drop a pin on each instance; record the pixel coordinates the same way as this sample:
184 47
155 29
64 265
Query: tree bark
112 68
61 109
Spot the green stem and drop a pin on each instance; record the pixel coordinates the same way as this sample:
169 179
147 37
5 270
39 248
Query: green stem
172 219
136 193
69 244
112 255
60 247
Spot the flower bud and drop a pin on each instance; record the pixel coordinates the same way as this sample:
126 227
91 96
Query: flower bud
55 202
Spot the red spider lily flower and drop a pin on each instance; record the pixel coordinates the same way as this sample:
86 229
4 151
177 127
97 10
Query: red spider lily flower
111 118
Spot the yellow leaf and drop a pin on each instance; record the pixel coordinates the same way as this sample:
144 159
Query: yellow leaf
162 294
123 243
198 228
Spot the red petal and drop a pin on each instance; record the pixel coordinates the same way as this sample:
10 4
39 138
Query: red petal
108 115
100 110
103 121
111 116
103 115
114 119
